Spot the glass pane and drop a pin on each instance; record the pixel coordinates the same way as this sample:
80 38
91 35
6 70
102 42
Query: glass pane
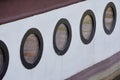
61 36
87 27
31 48
1 59
109 18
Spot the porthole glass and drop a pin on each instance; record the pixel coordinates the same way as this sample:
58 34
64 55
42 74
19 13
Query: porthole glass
62 36
31 48
4 59
109 18
87 26
1 59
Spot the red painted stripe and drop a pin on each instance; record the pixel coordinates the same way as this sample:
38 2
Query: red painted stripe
11 10
97 68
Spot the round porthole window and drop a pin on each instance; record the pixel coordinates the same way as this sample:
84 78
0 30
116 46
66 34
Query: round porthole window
31 48
62 36
4 59
87 27
109 18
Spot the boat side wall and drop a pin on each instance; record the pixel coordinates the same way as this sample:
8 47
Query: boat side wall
79 55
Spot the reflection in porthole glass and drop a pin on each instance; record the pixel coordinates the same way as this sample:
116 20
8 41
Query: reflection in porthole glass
87 27
109 18
1 59
31 48
61 36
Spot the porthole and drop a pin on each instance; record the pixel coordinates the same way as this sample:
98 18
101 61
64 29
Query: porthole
109 18
87 27
4 59
31 48
62 36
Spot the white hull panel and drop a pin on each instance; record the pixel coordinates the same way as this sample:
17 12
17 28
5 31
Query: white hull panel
78 57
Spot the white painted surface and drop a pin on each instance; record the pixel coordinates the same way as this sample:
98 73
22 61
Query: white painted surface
77 58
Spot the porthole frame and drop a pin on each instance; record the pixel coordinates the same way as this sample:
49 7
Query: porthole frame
91 14
6 59
37 33
68 27
111 5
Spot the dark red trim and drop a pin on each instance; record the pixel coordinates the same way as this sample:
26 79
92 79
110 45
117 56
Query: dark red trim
11 10
97 68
